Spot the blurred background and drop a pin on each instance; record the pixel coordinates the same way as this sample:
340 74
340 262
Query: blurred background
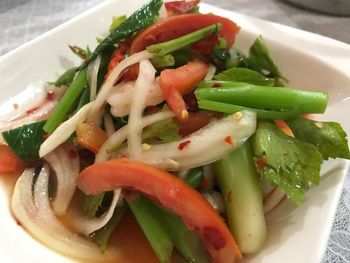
23 20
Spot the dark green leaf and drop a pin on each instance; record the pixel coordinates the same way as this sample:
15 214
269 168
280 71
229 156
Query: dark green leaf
25 141
289 163
329 137
245 75
194 176
260 60
140 19
66 78
84 99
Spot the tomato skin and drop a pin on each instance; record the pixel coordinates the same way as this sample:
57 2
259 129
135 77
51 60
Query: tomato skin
196 120
180 81
9 162
90 136
171 192
176 26
180 6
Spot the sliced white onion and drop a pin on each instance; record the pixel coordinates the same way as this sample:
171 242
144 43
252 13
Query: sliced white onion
275 197
92 73
205 145
215 199
62 133
108 123
121 96
120 135
113 77
86 226
67 169
210 73
162 12
35 214
32 96
142 85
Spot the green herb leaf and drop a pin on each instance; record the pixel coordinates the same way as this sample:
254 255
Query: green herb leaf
116 21
163 61
245 75
92 203
290 164
329 137
25 141
260 60
66 78
102 236
161 132
194 176
140 19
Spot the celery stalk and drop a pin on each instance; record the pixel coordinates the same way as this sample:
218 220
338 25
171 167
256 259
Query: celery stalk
239 183
147 215
186 241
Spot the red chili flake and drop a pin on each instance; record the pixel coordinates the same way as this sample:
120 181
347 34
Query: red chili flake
228 140
229 196
15 106
73 154
50 94
32 110
217 85
45 136
18 222
214 237
183 145
260 164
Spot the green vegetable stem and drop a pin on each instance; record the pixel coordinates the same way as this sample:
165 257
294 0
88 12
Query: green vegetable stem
167 47
239 183
67 102
147 215
282 103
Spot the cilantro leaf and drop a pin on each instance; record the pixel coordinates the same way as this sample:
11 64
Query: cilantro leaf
329 137
66 78
92 203
259 59
290 164
244 75
25 141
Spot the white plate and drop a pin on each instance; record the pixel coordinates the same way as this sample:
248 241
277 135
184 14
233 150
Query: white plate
296 234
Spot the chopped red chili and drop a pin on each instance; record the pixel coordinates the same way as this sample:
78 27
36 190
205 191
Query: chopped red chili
228 140
183 145
217 85
45 136
50 95
260 164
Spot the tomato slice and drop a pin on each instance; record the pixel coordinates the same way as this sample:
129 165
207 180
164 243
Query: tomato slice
90 136
9 162
172 193
182 80
176 26
180 6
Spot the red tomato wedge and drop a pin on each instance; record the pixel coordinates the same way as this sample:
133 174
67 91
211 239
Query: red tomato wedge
172 193
9 162
176 26
182 80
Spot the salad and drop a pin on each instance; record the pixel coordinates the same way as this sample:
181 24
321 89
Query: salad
166 140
